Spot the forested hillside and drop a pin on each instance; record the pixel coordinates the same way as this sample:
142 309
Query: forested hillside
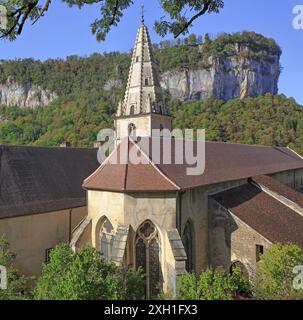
266 120
84 105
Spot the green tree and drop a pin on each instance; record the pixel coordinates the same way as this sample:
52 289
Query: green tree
177 22
86 275
275 273
17 285
212 285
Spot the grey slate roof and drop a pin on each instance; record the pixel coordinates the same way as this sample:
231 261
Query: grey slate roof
36 180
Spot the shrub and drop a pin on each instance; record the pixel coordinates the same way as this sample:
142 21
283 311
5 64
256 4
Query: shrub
17 285
274 277
212 285
85 275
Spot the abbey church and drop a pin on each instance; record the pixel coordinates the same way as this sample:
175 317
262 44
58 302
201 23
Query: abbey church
152 215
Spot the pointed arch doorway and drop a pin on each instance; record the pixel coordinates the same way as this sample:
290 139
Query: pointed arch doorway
147 256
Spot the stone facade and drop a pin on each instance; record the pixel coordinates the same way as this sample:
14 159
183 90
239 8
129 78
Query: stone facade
232 241
30 236
132 210
193 206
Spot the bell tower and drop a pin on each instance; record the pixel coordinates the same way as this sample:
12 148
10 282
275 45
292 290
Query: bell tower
143 108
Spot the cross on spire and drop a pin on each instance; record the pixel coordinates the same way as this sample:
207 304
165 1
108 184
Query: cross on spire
142 14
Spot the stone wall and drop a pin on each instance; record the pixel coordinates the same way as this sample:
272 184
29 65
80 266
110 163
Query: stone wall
231 240
194 207
133 209
292 178
31 235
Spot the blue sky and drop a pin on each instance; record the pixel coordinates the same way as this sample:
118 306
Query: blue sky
64 31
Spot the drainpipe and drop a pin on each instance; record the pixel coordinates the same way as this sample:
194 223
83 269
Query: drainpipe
70 226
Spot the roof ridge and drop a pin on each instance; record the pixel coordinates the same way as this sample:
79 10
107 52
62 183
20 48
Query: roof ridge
101 167
126 167
45 147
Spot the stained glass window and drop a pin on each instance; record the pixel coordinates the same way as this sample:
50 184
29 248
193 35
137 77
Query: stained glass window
154 267
148 257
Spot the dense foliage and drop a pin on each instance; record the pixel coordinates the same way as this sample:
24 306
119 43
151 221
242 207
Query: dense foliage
212 285
179 14
230 44
86 275
267 120
275 278
16 283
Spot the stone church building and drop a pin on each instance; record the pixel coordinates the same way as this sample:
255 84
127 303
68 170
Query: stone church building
156 216
151 215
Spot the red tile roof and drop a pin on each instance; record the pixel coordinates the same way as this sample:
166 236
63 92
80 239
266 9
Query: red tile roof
128 177
263 213
224 162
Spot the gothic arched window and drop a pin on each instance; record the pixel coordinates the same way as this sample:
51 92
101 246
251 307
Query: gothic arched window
106 237
188 242
147 248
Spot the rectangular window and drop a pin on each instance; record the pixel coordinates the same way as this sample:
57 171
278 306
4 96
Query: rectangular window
259 252
47 255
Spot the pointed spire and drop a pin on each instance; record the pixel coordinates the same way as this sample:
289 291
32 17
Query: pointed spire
143 92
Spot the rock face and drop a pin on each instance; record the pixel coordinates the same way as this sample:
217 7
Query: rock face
240 74
26 95
226 78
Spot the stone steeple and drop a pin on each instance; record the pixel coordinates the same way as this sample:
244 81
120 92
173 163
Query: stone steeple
143 92
143 108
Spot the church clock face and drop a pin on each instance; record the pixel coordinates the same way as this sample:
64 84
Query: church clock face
147 250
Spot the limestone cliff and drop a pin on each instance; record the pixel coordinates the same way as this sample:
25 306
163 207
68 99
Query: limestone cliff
226 78
231 66
24 95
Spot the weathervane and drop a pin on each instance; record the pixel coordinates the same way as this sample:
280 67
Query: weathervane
142 8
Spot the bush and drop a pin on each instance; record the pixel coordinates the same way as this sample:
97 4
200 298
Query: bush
17 284
131 284
275 277
86 275
212 285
